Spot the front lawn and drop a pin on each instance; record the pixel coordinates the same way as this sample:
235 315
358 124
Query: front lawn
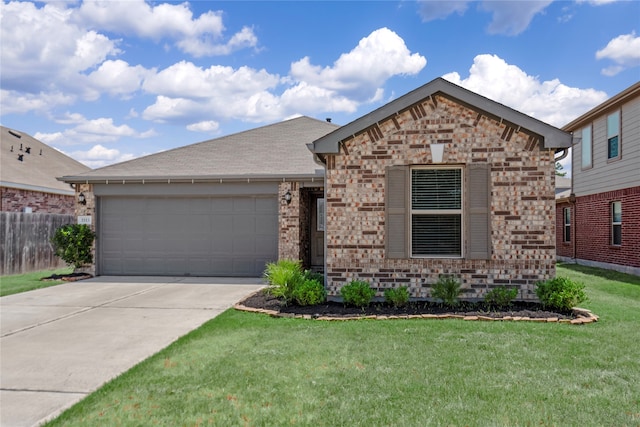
29 281
249 369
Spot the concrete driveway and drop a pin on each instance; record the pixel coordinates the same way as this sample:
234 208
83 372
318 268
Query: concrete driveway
59 344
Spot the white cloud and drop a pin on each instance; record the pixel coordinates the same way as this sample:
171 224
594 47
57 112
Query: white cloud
205 126
201 36
624 51
42 48
14 101
513 17
99 156
508 17
185 79
85 131
432 10
186 92
118 77
549 101
382 53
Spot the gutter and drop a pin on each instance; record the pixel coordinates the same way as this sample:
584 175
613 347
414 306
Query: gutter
212 179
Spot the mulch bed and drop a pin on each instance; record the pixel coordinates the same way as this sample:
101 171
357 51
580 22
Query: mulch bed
71 277
263 302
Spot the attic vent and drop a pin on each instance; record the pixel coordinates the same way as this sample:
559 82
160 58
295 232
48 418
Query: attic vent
15 133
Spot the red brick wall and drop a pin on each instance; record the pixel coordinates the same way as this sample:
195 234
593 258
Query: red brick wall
564 249
522 203
15 200
593 227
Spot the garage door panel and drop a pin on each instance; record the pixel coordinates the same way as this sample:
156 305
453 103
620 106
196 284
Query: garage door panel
208 236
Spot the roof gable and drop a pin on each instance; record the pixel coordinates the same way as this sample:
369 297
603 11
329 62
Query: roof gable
551 137
39 167
274 151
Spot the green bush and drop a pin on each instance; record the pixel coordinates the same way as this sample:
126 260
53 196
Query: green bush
73 243
560 293
447 289
357 293
501 296
398 297
283 277
309 292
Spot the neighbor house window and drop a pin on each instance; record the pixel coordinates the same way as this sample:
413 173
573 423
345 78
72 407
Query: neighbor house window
436 212
613 135
616 223
587 148
567 224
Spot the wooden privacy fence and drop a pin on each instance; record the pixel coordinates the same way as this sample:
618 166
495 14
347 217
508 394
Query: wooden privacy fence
25 240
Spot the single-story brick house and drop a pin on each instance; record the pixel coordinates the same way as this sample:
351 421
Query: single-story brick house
28 171
439 181
215 208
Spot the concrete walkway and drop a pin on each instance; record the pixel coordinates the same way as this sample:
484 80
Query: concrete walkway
59 344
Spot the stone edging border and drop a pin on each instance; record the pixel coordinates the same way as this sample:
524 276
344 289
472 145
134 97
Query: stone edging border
583 316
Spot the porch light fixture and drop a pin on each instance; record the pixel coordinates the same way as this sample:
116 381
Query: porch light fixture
286 198
81 199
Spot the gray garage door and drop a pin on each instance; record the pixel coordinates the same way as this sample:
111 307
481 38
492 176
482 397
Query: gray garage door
207 236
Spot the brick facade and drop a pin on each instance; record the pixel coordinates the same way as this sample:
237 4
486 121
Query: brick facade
591 218
89 209
522 201
15 200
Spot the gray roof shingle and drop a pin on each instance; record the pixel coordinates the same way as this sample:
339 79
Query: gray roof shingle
38 169
274 151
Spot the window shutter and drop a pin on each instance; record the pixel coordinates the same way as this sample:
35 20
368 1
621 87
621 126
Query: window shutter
396 212
478 208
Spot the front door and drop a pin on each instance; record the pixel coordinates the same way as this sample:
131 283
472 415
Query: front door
316 234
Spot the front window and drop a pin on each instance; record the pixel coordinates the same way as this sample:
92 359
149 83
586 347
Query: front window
586 147
616 223
567 225
613 135
436 212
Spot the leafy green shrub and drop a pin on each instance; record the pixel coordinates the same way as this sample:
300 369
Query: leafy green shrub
447 289
357 293
501 296
560 293
283 277
312 275
309 292
73 243
398 297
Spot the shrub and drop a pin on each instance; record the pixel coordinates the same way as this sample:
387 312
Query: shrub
283 277
560 293
501 296
73 243
309 292
357 293
447 289
398 297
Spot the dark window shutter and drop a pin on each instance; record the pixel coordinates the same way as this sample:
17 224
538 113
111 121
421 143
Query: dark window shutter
396 212
478 209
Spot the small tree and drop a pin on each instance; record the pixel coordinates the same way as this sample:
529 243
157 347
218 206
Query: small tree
73 243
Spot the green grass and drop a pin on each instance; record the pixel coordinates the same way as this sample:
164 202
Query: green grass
29 281
249 369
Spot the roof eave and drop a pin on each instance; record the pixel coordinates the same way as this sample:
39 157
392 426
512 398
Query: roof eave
79 179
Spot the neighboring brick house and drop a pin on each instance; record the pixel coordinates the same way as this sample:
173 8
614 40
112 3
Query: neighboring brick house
598 222
28 175
441 181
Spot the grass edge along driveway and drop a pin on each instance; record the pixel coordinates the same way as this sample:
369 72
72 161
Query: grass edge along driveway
25 282
249 369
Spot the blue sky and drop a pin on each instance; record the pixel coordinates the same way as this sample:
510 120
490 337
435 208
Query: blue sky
109 81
